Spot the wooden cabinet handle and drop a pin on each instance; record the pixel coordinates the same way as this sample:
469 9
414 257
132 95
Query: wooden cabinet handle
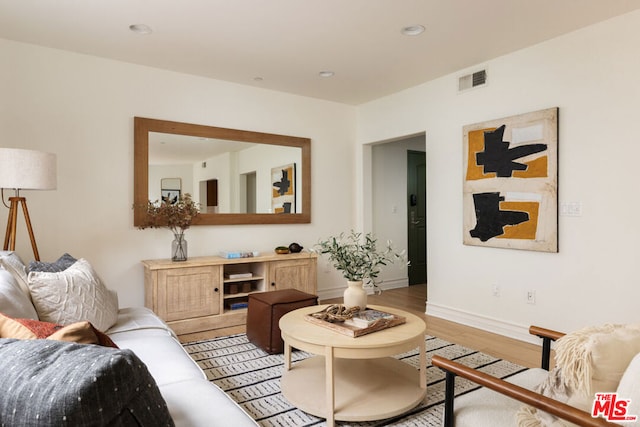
215 290
273 283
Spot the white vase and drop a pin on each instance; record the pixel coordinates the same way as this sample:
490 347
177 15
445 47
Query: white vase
355 295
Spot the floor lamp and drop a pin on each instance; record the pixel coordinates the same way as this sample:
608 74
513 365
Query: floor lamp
24 170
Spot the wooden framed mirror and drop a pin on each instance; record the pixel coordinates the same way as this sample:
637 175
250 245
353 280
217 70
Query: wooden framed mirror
237 176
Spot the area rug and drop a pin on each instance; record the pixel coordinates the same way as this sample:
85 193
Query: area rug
251 377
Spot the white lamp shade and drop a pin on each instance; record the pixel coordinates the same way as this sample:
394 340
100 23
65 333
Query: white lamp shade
27 169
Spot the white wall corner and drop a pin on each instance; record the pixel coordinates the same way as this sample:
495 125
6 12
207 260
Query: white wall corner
497 326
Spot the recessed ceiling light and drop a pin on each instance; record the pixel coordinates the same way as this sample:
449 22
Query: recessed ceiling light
140 29
413 30
326 73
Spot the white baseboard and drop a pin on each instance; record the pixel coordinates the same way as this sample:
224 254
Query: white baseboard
330 293
497 326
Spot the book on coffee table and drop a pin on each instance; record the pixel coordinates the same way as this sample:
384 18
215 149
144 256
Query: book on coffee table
368 317
369 322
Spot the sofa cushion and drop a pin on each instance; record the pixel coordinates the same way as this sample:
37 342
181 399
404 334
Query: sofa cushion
135 319
190 404
73 295
13 301
29 329
59 383
11 262
164 356
61 264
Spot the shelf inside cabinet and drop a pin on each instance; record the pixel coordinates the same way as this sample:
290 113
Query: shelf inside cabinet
236 304
242 279
238 295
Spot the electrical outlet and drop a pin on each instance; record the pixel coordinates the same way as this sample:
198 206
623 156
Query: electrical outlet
495 290
531 297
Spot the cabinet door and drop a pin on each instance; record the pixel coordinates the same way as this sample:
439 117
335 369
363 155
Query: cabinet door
293 274
189 292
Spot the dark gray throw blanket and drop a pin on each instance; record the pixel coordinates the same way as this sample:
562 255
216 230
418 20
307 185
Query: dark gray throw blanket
54 383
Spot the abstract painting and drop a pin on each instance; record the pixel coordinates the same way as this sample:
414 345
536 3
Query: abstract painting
510 190
283 190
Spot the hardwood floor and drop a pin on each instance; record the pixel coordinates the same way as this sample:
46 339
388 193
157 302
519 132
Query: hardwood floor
413 298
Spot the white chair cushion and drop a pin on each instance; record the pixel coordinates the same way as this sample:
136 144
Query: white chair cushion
487 408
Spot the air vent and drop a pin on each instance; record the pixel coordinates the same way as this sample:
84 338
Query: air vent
469 81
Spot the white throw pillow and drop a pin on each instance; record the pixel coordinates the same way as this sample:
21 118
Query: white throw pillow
13 301
73 295
14 265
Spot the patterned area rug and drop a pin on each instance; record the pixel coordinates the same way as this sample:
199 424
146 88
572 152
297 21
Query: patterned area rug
252 378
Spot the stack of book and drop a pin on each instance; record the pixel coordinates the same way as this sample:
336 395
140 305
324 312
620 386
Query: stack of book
368 317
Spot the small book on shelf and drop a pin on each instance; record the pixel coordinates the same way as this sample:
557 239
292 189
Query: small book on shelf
238 305
368 317
239 275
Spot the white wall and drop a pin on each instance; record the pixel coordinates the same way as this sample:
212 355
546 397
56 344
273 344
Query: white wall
82 108
592 76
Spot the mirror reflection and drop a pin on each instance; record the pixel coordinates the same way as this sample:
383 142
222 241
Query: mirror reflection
225 176
237 176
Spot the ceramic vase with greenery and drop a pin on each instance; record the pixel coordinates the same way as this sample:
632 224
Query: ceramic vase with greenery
177 217
358 257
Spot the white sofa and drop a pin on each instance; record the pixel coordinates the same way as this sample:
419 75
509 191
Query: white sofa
191 399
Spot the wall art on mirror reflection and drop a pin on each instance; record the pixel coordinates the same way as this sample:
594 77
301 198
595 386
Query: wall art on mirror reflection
510 190
170 196
283 191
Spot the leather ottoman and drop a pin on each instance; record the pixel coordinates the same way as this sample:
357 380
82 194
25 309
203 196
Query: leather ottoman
265 311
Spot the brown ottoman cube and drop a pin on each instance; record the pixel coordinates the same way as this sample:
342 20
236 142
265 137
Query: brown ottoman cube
265 311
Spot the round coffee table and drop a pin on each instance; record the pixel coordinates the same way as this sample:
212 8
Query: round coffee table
353 379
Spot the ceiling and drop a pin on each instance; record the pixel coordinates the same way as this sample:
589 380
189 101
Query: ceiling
283 44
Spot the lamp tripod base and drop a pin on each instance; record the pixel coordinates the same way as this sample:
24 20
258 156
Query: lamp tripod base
10 236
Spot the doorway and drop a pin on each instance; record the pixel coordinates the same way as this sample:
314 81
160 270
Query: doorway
398 170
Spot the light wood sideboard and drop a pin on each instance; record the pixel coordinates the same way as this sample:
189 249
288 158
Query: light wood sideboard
210 293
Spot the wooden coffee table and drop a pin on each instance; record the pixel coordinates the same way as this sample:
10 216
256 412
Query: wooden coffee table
353 379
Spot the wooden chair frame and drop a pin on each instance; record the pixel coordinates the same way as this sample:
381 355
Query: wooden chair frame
539 401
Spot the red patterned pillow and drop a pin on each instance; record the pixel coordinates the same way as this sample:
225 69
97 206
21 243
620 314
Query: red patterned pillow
79 332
